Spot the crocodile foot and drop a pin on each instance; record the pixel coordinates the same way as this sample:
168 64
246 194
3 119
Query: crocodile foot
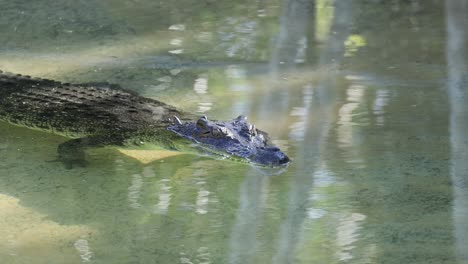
72 152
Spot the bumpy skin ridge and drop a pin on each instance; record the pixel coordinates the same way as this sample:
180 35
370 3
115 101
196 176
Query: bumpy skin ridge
78 110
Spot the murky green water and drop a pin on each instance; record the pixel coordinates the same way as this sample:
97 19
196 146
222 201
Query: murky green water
367 97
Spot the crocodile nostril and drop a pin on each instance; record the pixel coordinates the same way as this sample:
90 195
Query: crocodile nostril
285 159
273 148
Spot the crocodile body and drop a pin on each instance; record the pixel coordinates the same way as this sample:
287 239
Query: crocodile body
103 114
75 110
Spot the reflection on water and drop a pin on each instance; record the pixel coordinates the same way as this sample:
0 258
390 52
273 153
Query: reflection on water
347 234
82 247
356 92
457 80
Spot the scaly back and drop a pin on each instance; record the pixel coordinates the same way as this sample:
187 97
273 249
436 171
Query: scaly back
77 110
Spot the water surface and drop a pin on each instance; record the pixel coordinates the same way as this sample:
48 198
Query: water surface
368 98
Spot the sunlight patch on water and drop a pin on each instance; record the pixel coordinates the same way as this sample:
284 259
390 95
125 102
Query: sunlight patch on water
203 255
82 246
134 191
323 178
347 234
355 94
301 50
176 51
204 107
176 42
381 100
177 27
164 197
201 84
352 77
345 113
315 213
184 260
299 128
202 201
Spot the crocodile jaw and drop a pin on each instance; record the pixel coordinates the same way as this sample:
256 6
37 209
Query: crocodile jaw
236 139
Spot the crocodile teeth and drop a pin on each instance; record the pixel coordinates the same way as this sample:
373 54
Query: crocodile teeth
177 120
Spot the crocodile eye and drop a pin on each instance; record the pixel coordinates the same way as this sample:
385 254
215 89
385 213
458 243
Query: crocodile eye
202 123
203 126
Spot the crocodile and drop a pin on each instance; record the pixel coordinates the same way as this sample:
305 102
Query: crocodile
103 114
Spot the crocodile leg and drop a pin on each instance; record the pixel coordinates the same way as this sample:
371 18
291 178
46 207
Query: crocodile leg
72 152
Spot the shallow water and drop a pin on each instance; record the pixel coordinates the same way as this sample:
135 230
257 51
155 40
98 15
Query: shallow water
366 97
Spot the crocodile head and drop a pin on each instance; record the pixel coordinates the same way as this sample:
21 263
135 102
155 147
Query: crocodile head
235 139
